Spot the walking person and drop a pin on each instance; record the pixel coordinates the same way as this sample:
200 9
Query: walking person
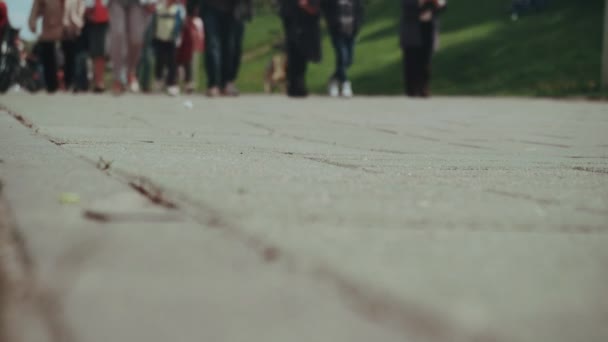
419 34
344 19
128 22
168 22
62 21
81 72
96 29
302 41
220 34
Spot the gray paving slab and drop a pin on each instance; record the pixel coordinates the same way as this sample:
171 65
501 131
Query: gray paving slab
487 215
147 274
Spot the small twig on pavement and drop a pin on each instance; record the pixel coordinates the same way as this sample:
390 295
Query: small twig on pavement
104 165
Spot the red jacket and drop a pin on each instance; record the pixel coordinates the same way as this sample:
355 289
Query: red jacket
98 13
192 40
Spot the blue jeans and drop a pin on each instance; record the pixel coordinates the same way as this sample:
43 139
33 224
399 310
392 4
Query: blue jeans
344 48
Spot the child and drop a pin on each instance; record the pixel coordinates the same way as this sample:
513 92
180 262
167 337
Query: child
167 31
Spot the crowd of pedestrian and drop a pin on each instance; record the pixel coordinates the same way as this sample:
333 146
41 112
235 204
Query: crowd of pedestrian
77 37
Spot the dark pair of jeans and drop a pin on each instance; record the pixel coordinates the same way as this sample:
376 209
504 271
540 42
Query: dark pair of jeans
49 63
417 63
222 45
344 46
165 60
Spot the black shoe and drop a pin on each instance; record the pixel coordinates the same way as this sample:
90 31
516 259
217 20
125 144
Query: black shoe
297 88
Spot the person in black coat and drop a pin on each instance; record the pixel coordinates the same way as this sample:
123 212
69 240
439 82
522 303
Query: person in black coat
302 41
344 19
419 33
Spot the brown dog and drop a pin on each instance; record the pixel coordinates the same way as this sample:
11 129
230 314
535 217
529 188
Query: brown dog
276 74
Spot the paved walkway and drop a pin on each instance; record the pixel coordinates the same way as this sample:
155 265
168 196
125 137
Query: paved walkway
268 219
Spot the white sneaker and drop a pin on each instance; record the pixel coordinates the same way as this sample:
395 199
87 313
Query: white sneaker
347 89
333 88
173 90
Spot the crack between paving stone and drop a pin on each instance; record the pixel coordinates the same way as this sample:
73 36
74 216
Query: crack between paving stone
273 132
376 306
353 167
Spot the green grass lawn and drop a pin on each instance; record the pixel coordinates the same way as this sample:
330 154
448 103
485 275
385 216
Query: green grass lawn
482 52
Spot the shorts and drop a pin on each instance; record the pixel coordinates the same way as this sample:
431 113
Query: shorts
97 39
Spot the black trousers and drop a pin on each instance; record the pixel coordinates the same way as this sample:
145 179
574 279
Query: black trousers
417 64
165 60
70 49
297 64
48 55
297 60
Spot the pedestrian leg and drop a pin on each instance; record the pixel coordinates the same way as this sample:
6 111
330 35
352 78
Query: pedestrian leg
49 63
118 28
410 70
341 51
213 46
159 61
69 66
171 63
137 22
228 47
